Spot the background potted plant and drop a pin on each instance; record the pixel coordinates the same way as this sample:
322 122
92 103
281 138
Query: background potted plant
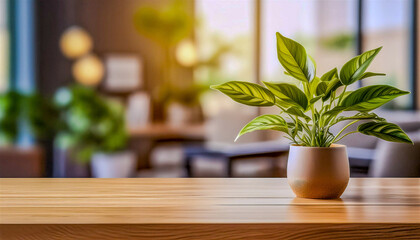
317 166
184 102
42 116
167 26
93 127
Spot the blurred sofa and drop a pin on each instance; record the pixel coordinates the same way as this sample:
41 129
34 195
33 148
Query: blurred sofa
370 156
21 162
397 159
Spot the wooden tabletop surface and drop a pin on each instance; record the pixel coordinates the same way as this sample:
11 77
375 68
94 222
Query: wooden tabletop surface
203 201
220 200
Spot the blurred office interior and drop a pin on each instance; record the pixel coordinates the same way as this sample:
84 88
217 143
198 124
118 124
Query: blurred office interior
126 82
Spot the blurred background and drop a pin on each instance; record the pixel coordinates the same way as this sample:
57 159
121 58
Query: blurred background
120 88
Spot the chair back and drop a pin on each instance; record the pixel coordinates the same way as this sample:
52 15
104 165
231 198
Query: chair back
397 159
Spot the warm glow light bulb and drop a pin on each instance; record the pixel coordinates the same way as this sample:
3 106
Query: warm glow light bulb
186 53
75 42
88 70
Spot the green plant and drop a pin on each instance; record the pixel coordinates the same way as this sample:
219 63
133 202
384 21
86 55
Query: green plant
42 115
188 95
38 111
90 123
320 98
9 116
167 25
339 41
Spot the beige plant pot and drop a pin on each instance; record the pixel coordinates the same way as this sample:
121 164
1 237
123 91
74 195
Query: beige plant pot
318 172
113 165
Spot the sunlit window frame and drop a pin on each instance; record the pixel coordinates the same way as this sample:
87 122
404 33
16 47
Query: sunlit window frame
413 61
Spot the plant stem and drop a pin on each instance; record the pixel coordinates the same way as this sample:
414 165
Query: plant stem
284 110
290 116
342 95
313 132
348 125
340 98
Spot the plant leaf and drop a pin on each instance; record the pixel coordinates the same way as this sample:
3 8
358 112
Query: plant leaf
265 122
288 93
368 98
360 116
335 110
288 74
330 75
333 85
313 63
384 130
294 59
321 88
315 99
371 74
313 85
297 112
247 93
354 69
292 125
284 104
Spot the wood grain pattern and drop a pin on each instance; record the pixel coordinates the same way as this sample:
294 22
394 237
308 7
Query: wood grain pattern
204 208
210 231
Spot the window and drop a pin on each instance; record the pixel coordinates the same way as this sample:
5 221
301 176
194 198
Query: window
225 39
4 46
227 25
387 24
330 43
332 31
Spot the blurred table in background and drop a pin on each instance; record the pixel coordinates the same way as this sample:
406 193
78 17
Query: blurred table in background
233 152
194 208
167 131
144 139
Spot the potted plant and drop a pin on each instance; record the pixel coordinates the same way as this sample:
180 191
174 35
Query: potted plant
93 127
42 116
167 26
184 104
318 167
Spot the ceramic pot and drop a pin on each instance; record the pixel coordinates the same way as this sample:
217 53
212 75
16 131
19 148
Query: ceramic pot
116 165
318 172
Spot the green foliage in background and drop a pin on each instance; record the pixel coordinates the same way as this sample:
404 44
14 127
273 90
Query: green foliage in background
167 25
9 117
38 111
339 41
309 111
42 115
188 95
89 123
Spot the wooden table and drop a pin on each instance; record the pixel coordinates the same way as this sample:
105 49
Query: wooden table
234 152
204 209
144 139
163 130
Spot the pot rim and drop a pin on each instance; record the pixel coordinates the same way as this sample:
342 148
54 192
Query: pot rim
333 146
